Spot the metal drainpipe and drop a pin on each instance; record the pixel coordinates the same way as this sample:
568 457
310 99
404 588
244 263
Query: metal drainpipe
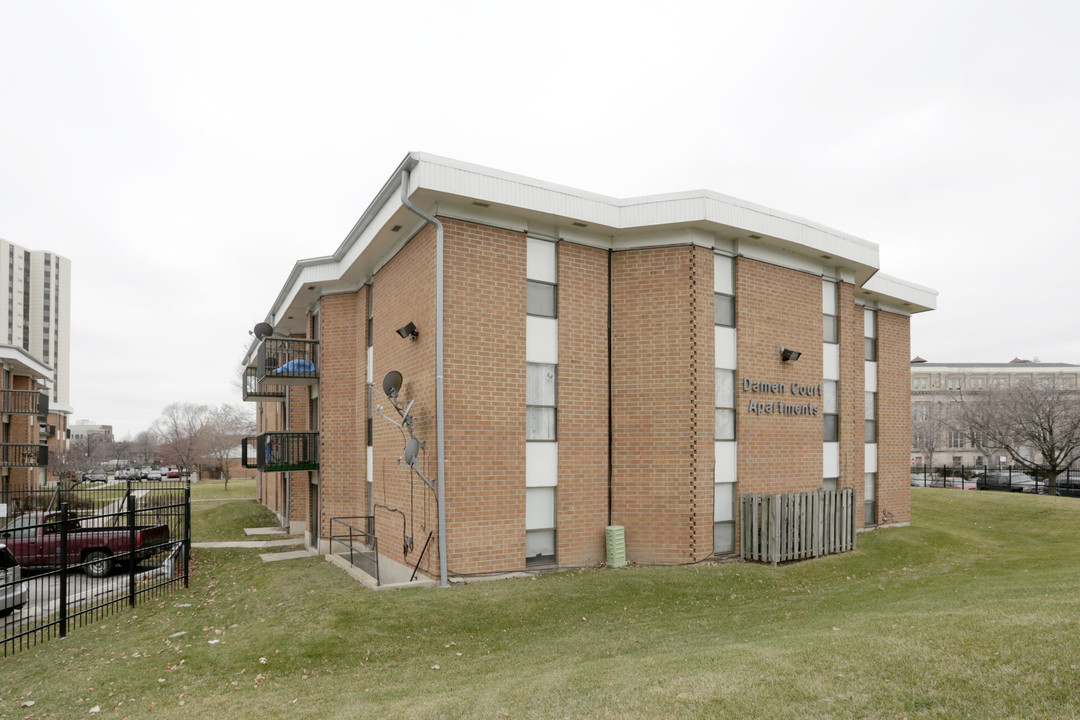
439 424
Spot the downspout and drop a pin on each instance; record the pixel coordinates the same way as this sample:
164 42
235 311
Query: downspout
440 425
610 423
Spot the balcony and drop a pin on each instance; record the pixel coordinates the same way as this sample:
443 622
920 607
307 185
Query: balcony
282 451
24 455
261 392
25 402
287 361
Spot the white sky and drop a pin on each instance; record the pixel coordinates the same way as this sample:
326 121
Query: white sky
184 155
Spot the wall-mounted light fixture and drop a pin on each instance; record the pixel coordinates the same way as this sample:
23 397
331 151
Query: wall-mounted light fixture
785 354
409 331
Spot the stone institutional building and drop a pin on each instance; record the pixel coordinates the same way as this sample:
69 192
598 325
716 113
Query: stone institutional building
567 361
34 353
937 436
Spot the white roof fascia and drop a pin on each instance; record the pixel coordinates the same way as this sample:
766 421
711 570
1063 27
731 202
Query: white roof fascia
918 297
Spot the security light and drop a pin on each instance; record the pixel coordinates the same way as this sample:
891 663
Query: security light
792 355
409 331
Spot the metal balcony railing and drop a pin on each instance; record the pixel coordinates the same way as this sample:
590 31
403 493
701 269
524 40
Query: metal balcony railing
283 451
24 455
288 361
25 402
265 391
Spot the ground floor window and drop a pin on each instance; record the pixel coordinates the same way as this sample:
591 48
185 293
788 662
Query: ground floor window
870 498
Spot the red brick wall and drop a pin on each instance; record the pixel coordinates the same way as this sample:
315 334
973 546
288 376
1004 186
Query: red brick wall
485 397
403 291
894 416
777 307
663 400
342 407
581 498
852 398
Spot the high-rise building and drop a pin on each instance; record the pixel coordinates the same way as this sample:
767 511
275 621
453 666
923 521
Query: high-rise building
35 356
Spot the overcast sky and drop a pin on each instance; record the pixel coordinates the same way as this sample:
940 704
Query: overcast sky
184 155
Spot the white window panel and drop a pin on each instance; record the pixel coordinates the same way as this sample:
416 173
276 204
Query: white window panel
870 458
725 388
723 277
541 340
723 502
541 464
870 374
370 464
829 399
539 508
725 456
540 261
869 326
725 347
725 424
828 298
830 361
870 486
540 384
830 459
540 542
540 423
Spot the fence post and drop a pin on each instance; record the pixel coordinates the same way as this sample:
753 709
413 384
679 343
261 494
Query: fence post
63 569
187 530
131 549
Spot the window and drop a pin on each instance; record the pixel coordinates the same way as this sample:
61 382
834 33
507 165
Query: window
957 439
539 525
954 383
920 383
831 402
830 484
871 417
829 305
976 383
870 335
540 402
999 383
1068 382
724 309
540 299
725 404
870 499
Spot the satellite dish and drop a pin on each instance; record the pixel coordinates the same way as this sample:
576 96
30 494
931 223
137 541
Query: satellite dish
391 383
412 448
263 330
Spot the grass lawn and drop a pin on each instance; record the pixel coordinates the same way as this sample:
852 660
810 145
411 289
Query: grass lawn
974 611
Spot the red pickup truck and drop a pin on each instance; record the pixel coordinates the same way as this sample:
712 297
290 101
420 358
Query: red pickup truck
34 538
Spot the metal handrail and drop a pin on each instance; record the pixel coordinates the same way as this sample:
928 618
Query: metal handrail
354 533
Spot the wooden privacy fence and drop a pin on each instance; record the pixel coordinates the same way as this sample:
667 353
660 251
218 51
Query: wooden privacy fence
779 528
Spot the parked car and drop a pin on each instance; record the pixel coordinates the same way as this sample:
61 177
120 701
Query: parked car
13 591
144 471
173 473
96 476
124 474
153 475
34 540
1004 480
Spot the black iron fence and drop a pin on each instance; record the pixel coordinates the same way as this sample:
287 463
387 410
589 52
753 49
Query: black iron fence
85 553
1004 479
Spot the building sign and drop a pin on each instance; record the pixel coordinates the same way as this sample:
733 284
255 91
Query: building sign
781 406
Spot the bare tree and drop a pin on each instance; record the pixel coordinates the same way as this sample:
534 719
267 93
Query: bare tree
145 446
1038 415
929 423
180 430
224 429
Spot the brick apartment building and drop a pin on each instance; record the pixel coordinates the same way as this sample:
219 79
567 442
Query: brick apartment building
600 361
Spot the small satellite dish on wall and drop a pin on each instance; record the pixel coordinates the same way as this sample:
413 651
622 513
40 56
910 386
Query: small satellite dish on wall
263 330
412 448
391 383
